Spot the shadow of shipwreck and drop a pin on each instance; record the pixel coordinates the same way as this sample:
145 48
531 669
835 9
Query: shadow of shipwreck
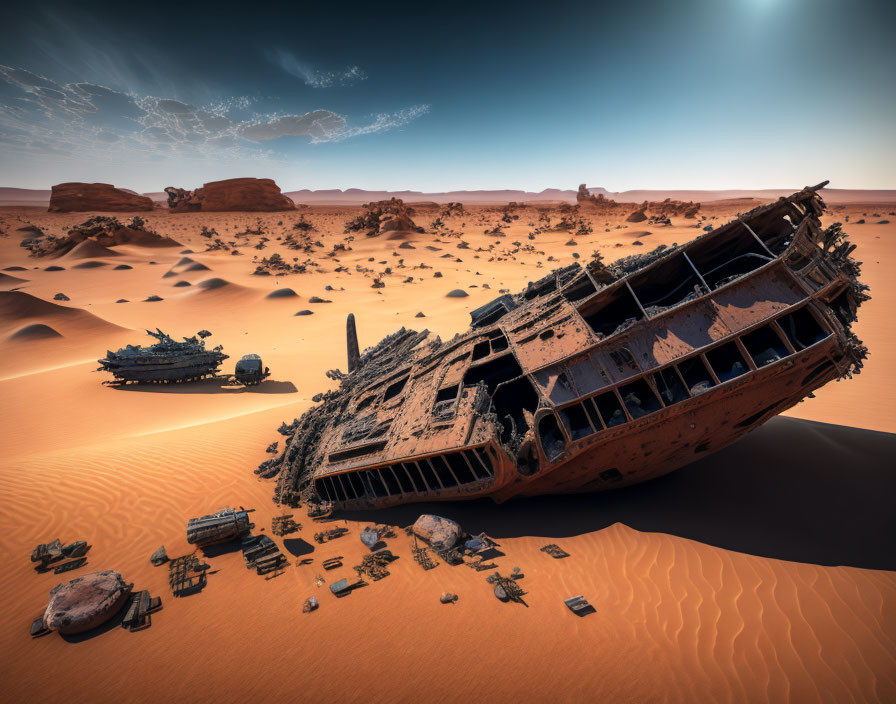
793 490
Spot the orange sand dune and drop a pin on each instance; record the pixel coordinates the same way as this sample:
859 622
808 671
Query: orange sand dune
765 572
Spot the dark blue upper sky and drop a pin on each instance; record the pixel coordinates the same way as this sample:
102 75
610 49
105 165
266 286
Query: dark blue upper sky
683 93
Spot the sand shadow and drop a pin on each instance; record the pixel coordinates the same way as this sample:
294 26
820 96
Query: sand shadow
298 547
793 490
210 386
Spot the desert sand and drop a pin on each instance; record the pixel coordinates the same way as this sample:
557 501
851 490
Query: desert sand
766 572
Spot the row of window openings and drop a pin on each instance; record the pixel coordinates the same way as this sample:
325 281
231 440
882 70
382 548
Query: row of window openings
431 474
684 380
681 277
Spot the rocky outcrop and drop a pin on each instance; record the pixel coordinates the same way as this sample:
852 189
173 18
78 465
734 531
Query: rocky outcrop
441 533
81 197
235 194
85 602
384 216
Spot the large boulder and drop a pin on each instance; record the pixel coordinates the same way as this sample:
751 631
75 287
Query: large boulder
78 197
242 194
441 533
86 602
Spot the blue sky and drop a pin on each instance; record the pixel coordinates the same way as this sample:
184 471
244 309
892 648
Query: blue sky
638 94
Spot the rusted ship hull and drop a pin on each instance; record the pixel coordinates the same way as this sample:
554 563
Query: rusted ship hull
593 379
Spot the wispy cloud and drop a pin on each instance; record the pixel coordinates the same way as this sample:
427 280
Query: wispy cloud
39 116
311 76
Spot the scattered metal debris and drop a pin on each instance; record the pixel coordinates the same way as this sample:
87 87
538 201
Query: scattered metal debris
284 525
374 565
329 535
186 575
221 526
421 556
262 554
554 551
579 605
137 614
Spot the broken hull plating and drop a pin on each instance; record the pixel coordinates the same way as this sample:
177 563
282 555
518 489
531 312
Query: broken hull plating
597 380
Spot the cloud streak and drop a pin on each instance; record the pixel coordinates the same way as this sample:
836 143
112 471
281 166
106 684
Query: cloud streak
39 116
312 77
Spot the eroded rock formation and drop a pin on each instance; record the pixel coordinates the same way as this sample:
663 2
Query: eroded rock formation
235 194
78 197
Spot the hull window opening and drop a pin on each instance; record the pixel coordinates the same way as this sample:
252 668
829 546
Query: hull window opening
722 259
802 329
336 489
580 290
376 486
429 475
346 486
449 393
672 389
639 398
696 376
403 479
727 362
391 480
492 373
612 312
357 484
610 409
666 285
481 350
443 472
395 389
576 421
459 467
553 443
499 344
413 473
593 415
321 490
510 401
485 464
764 346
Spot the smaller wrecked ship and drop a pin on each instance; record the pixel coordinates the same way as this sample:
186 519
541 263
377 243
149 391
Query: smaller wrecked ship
167 361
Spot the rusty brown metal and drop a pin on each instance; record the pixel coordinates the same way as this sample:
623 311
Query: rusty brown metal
591 378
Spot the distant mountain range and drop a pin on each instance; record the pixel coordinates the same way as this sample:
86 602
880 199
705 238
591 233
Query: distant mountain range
357 196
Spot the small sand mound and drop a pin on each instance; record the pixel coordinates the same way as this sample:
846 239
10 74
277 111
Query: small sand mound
637 234
92 264
181 284
457 293
168 274
122 267
197 266
15 268
6 281
88 249
186 251
37 331
213 283
282 293
305 312
183 262
54 268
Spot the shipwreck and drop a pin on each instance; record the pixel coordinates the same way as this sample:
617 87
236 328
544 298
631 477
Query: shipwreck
592 378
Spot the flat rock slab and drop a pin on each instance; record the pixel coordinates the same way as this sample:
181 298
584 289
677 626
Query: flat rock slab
86 602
